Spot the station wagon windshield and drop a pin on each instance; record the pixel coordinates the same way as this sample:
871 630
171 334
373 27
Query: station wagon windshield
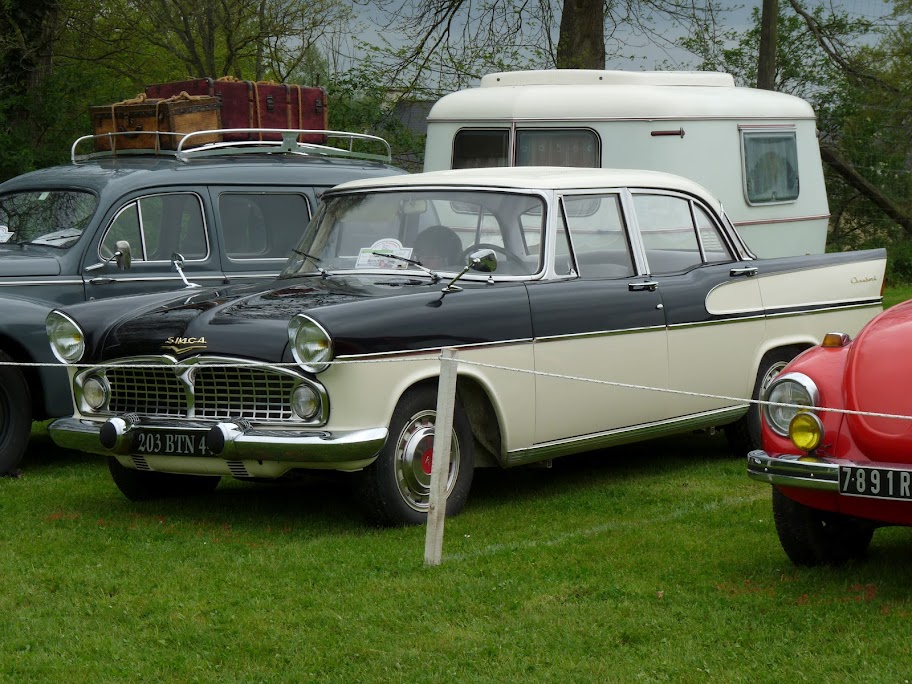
396 231
54 218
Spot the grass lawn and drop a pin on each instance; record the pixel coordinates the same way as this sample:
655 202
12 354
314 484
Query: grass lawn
656 562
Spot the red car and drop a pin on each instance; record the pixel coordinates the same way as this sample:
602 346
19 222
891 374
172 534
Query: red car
837 475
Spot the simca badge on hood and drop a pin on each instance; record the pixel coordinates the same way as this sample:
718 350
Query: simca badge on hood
182 345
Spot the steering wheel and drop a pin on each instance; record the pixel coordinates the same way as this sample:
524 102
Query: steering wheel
510 257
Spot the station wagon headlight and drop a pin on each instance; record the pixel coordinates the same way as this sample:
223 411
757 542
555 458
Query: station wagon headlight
65 336
791 388
311 345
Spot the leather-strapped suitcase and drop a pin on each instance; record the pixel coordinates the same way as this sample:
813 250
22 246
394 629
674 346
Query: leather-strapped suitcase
140 118
250 104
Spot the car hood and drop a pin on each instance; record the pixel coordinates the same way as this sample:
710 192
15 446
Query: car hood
18 262
878 375
244 322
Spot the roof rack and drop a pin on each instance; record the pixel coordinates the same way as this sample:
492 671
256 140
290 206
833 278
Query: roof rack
288 144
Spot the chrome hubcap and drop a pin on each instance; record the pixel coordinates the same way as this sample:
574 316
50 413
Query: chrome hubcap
414 457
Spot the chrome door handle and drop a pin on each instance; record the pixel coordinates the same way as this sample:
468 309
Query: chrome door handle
650 285
746 271
102 281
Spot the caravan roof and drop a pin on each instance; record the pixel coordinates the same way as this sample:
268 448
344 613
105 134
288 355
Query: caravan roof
593 95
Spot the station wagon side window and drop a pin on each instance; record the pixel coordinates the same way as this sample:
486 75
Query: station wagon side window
262 225
599 239
156 226
770 166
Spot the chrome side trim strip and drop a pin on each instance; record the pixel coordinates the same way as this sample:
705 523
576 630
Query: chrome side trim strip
789 219
431 350
574 445
11 283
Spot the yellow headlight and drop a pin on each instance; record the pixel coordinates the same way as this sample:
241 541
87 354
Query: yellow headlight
806 431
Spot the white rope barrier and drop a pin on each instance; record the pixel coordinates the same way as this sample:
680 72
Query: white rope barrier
416 359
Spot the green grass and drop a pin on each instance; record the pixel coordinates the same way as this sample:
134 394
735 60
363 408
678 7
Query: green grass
649 563
655 562
895 295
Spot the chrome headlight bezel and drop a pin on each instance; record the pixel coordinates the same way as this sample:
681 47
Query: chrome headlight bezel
788 388
84 395
65 336
311 345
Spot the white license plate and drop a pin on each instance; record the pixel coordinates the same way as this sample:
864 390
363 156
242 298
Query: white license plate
170 443
876 483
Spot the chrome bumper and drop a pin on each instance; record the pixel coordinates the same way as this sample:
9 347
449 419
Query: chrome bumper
790 470
227 441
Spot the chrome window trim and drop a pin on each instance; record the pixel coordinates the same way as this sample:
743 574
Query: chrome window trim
135 201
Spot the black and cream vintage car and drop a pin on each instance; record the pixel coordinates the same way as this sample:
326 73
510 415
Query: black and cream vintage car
542 280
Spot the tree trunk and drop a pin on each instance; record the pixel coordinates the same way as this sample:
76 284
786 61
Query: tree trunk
766 63
582 35
865 187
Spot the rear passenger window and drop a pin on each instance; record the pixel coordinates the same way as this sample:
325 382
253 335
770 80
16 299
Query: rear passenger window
599 239
262 225
668 234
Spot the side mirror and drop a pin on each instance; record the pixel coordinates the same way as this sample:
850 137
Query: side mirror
123 256
483 261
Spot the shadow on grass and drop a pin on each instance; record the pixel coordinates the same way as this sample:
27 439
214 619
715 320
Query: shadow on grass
325 503
604 467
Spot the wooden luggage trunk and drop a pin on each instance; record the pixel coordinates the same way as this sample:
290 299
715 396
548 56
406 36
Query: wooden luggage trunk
249 104
141 118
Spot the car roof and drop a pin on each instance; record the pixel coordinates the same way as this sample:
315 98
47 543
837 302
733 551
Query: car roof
540 178
126 173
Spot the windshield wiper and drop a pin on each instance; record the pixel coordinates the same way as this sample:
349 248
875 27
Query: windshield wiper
413 262
314 259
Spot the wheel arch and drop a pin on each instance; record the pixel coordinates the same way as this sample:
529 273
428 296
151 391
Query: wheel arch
476 398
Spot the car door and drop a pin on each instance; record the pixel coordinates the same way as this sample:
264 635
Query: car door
259 228
711 301
156 225
596 318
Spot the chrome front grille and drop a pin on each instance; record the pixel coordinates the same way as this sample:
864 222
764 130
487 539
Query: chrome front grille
155 391
254 393
207 388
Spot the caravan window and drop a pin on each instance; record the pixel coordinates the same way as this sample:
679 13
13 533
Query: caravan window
770 166
555 147
477 148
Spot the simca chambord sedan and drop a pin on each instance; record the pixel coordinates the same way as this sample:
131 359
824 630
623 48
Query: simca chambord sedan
586 307
837 438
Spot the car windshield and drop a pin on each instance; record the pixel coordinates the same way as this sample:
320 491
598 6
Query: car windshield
55 218
436 229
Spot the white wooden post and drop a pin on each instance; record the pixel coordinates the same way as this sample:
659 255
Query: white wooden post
440 465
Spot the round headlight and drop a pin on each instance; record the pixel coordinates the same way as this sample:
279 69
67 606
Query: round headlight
66 338
94 392
790 388
311 345
806 431
304 402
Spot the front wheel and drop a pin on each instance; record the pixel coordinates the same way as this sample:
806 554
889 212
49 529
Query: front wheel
395 489
143 485
813 537
744 435
15 416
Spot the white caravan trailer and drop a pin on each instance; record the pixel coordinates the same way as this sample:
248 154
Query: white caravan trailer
756 150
